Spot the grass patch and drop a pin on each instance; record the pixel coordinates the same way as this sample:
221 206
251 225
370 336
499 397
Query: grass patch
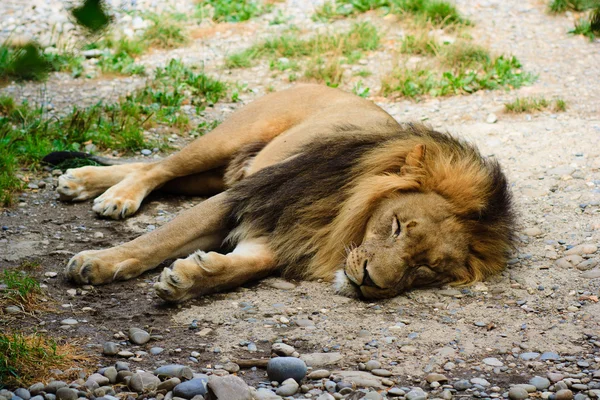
28 133
438 12
420 44
26 359
19 290
490 73
321 56
588 26
29 62
165 32
232 10
560 6
531 104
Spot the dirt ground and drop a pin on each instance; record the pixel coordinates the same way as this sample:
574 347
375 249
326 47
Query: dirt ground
543 302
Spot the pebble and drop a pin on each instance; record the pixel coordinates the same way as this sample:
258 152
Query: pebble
288 387
111 374
517 393
595 273
381 372
319 374
493 362
564 394
110 349
98 379
36 388
549 355
174 371
461 385
53 386
138 336
156 350
229 387
51 274
529 356
321 359
169 384
582 249
23 393
65 393
540 383
146 152
142 382
282 349
282 368
416 394
69 321
372 364
12 309
436 378
191 388
491 118
480 381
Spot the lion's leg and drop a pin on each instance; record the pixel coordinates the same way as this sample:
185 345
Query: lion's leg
83 183
202 226
206 183
202 273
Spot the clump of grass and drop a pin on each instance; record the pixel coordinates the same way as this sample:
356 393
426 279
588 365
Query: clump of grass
29 62
28 133
329 71
165 32
531 104
26 359
120 55
588 26
361 37
232 10
421 44
21 290
560 6
436 11
498 72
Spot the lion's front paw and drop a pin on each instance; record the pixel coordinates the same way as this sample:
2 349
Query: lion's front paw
98 267
184 278
76 185
120 201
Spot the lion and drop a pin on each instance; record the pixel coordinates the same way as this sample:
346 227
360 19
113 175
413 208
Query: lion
314 183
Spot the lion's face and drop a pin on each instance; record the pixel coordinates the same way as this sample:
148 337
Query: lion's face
411 240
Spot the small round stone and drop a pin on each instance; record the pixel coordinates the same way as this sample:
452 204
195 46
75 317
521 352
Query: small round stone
138 336
517 393
69 321
110 349
381 372
288 387
564 394
191 388
539 382
319 374
461 385
65 393
372 364
282 368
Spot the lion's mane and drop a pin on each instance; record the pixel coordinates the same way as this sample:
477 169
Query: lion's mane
315 206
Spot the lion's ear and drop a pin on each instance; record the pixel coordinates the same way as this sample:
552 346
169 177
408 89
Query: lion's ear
414 160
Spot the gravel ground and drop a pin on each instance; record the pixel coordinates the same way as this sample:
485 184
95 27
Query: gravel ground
532 331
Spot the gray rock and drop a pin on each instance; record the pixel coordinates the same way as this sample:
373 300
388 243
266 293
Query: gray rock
23 393
169 384
396 392
555 377
69 321
142 382
540 383
319 374
100 380
36 388
517 393
461 385
360 379
549 355
146 152
138 336
64 393
288 387
372 396
229 387
416 394
595 273
53 386
480 381
93 53
122 366
564 394
265 394
37 397
174 371
321 359
381 372
156 351
436 378
372 364
493 362
529 356
191 388
111 374
282 349
282 368
110 349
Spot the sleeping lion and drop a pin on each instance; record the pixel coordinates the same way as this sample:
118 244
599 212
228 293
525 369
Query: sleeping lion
313 183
